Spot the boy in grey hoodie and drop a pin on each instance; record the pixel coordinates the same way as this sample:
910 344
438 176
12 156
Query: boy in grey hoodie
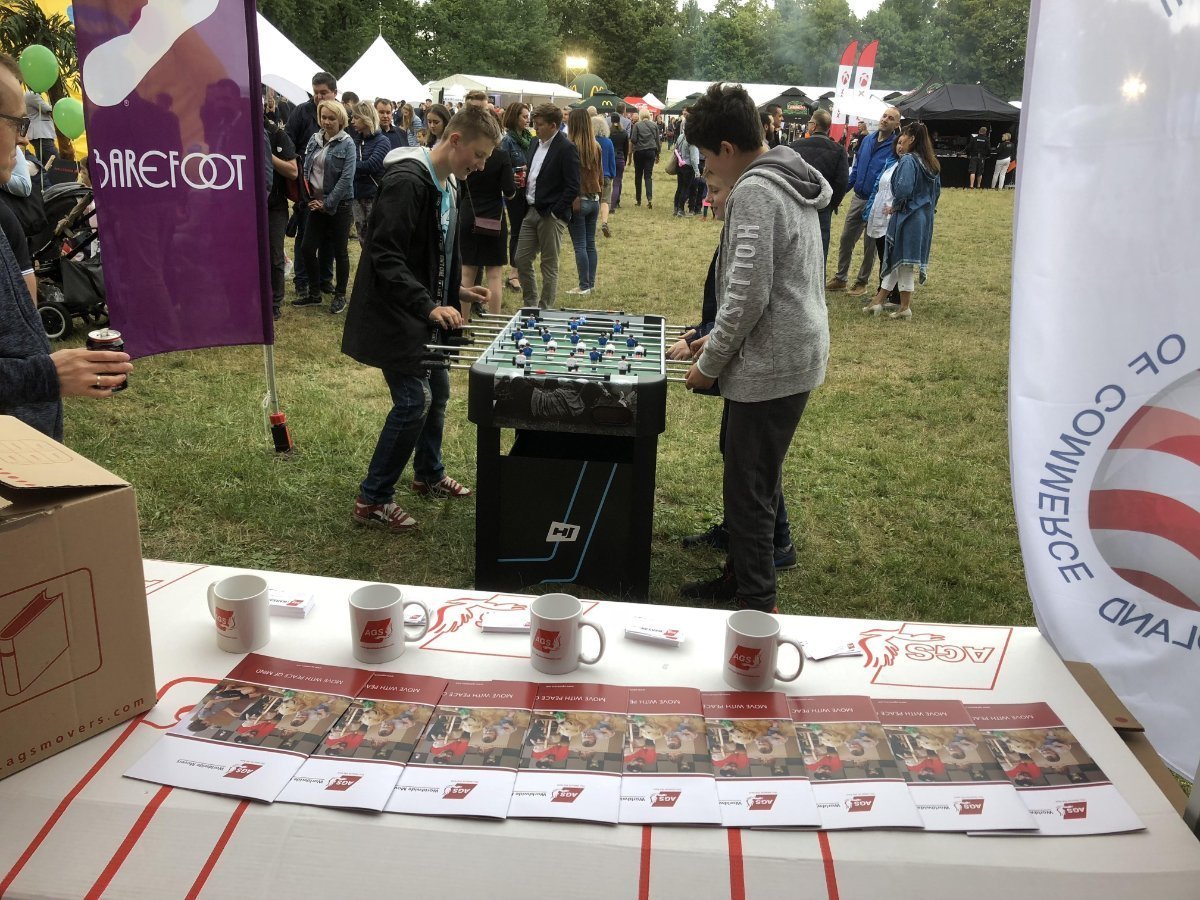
770 344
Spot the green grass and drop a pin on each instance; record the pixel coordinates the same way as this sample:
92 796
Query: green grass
897 481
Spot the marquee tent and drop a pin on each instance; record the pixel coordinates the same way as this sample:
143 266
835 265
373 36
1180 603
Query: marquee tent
794 103
653 102
284 67
957 103
381 73
508 90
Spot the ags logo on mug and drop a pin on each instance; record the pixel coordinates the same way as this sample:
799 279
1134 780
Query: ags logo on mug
745 659
225 620
376 631
546 641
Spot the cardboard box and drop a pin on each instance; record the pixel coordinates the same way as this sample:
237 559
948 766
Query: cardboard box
1130 730
75 654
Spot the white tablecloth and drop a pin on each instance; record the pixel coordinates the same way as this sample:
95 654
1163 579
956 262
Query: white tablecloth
73 826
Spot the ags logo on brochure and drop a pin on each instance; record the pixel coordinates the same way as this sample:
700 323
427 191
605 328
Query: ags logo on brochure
861 803
761 802
458 790
241 770
546 641
1073 809
566 795
376 631
225 620
665 799
745 658
970 807
342 782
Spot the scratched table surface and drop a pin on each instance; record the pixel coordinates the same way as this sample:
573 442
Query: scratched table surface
73 826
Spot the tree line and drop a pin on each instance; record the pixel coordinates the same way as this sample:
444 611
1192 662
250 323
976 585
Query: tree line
637 45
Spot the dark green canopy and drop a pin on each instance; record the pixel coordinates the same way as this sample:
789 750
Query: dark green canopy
604 101
678 108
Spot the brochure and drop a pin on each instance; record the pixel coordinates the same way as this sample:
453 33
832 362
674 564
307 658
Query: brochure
360 760
1060 784
571 761
761 779
252 732
668 769
466 762
955 780
856 781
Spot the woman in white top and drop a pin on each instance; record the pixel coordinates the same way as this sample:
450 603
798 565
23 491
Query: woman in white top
879 212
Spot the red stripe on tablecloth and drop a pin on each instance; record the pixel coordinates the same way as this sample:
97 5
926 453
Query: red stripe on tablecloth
1151 426
644 866
127 845
737 872
1148 513
217 850
827 858
1157 587
45 830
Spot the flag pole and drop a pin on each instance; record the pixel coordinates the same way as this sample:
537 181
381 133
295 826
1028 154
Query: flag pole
281 435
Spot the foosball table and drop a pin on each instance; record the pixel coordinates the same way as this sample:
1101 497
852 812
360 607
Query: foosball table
571 500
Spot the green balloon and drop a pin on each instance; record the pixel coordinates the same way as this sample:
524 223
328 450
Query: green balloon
68 116
39 68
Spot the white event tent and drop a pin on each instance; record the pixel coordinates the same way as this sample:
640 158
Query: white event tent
284 67
381 73
510 90
678 89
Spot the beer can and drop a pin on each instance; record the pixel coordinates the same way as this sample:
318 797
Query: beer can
108 339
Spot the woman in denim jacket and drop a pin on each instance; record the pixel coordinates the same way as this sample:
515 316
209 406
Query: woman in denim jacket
330 161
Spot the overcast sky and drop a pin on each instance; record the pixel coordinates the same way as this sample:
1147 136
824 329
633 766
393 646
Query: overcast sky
859 7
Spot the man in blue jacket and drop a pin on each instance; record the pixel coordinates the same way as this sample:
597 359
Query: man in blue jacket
873 154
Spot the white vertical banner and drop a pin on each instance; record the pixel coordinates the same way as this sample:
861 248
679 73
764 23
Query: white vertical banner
1104 399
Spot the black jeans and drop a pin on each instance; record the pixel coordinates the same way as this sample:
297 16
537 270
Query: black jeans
783 527
824 216
277 218
756 444
683 187
330 234
516 207
299 273
643 167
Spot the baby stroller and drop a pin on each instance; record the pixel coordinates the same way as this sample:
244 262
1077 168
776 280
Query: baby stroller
66 262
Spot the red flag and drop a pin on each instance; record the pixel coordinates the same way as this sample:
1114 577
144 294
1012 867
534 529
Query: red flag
845 72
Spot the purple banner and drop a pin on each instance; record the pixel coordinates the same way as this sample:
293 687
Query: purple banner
178 163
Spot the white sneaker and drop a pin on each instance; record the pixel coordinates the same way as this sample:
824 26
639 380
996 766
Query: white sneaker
579 291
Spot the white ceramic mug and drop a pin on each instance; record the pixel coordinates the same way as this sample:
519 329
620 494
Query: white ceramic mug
377 631
555 639
752 643
242 611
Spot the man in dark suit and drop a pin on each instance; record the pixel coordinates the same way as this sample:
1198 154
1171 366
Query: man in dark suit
551 186
829 159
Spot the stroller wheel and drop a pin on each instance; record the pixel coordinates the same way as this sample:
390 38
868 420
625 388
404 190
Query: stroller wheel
56 320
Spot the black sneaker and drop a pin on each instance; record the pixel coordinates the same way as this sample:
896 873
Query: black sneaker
723 588
785 558
716 537
326 287
308 300
337 304
739 604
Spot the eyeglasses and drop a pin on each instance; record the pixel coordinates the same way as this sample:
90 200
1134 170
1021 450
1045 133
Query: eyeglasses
20 122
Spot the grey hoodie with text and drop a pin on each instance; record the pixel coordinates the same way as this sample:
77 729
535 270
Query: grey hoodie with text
771 338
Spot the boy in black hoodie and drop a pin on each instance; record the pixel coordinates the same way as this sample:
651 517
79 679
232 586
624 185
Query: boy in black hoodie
406 291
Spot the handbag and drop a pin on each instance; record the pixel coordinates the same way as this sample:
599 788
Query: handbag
673 164
485 225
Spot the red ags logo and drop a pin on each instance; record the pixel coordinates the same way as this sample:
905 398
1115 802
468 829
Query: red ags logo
546 641
241 770
665 799
342 782
972 806
1073 809
376 631
861 803
225 620
566 795
459 790
761 802
744 659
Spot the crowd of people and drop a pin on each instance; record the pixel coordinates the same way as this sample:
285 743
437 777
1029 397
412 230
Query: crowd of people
442 201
